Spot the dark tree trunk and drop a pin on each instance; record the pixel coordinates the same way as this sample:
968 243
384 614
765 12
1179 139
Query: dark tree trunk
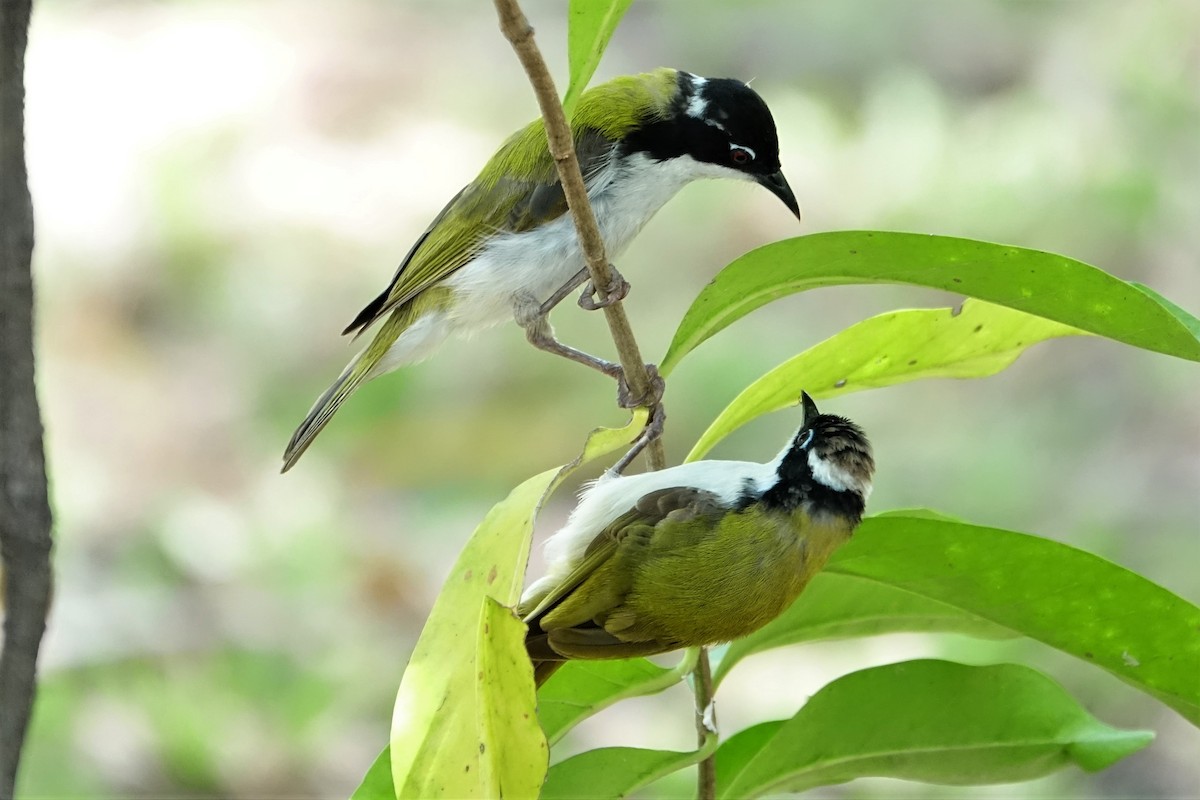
24 505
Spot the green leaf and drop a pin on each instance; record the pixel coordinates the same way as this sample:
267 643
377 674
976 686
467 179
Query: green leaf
377 783
589 29
835 606
975 340
1047 285
931 721
918 513
1185 319
1067 598
442 740
612 772
581 688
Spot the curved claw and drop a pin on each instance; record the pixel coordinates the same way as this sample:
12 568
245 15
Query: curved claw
615 292
652 398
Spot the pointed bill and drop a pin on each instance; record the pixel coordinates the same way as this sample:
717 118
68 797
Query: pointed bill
810 409
777 185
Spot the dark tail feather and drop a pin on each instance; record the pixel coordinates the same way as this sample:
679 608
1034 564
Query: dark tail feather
367 315
545 661
323 410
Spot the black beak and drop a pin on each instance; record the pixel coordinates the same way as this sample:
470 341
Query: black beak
778 186
810 409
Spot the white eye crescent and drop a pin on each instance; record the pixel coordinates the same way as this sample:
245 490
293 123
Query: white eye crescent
805 439
741 155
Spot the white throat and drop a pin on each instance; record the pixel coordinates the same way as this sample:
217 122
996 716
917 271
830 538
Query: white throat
827 474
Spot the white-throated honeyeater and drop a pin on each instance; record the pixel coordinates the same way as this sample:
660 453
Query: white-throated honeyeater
697 554
505 247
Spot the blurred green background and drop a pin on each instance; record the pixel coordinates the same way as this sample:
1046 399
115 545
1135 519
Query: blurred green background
220 186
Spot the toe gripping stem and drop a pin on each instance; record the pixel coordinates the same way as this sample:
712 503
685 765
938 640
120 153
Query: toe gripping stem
653 430
616 291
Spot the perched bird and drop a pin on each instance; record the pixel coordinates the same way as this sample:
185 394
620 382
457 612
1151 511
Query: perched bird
505 247
698 554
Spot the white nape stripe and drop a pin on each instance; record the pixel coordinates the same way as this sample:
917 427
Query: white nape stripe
608 498
697 105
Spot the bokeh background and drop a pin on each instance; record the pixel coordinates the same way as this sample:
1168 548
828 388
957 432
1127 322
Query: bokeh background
220 186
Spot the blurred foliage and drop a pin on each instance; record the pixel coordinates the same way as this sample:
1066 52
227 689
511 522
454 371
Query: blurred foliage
219 187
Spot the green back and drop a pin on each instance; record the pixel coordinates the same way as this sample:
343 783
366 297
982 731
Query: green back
681 569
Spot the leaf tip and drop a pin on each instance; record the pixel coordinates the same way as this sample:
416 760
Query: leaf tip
1104 749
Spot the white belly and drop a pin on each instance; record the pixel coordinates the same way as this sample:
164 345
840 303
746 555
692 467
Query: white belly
538 262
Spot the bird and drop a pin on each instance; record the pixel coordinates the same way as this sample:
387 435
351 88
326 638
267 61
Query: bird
505 247
697 554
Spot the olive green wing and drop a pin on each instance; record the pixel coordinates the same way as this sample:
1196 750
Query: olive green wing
585 616
597 553
485 207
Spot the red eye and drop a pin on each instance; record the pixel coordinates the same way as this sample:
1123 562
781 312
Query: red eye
739 156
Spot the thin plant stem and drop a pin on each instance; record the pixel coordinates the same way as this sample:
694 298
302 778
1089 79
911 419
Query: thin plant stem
706 724
517 30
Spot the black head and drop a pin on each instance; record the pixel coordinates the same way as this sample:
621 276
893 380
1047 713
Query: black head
828 464
719 122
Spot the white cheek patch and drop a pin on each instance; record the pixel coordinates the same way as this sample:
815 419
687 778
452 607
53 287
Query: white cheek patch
828 475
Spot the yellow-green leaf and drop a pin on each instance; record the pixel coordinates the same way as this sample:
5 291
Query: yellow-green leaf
437 746
437 729
975 340
512 749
